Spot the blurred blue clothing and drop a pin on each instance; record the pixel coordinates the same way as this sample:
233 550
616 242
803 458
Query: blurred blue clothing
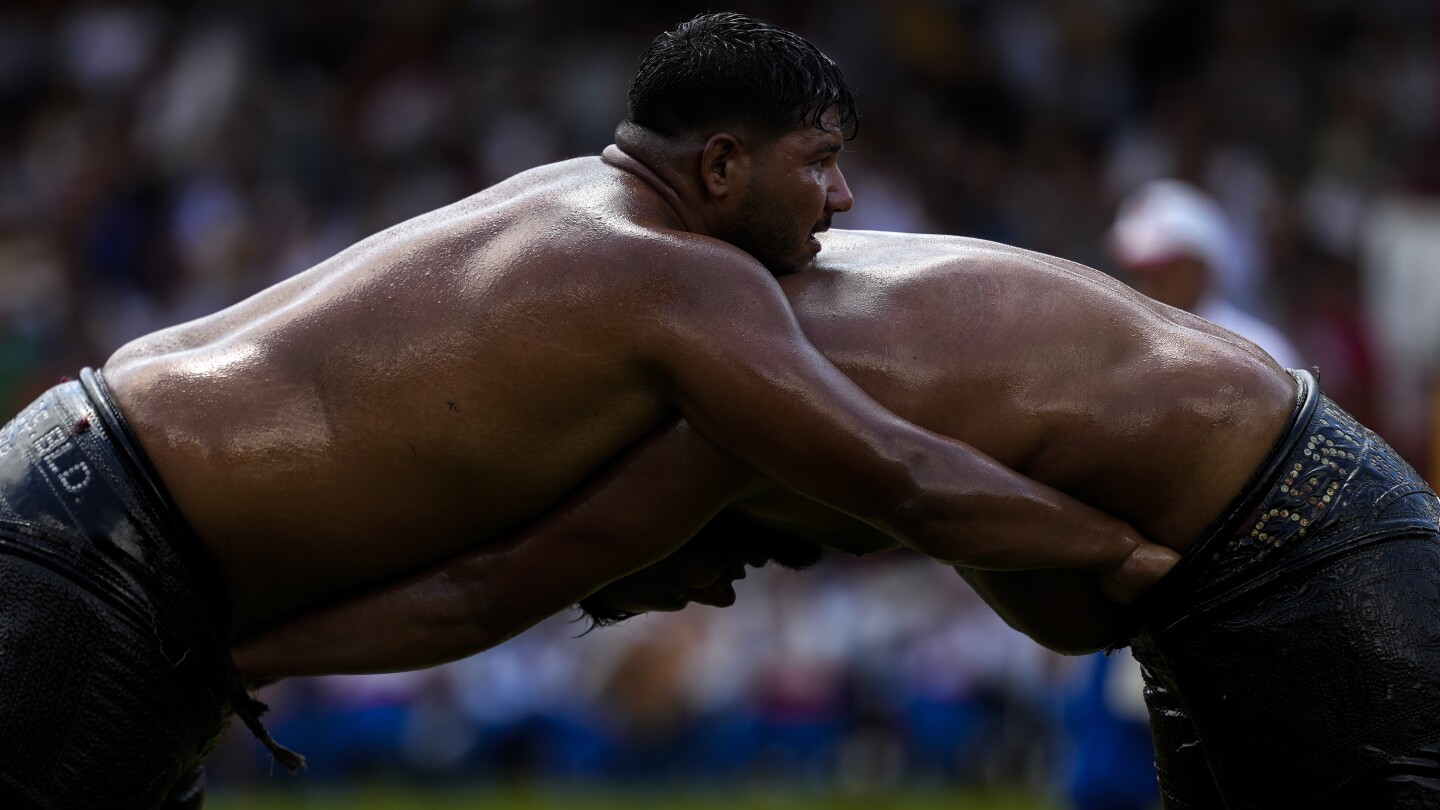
1113 764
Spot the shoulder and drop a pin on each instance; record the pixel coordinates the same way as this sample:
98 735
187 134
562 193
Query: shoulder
906 257
687 270
913 268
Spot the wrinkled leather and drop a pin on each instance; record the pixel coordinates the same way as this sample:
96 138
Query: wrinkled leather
1296 662
115 677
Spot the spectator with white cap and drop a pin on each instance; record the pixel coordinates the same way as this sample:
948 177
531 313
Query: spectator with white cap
1177 245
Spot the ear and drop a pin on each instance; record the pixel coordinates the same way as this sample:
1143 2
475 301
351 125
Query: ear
724 165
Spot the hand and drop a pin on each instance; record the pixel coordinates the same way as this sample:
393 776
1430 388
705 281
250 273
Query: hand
1146 565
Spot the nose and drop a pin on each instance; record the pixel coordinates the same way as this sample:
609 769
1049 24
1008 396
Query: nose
838 198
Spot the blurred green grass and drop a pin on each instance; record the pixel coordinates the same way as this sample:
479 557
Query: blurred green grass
607 799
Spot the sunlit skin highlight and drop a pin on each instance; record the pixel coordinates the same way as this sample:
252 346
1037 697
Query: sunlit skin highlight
453 377
1137 408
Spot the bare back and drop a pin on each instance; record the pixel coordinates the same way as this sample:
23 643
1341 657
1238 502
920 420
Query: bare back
416 394
1051 368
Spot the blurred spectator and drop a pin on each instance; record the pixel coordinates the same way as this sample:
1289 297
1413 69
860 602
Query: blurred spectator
1177 246
159 160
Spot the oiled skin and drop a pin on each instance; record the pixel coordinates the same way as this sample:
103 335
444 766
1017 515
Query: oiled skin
356 403
330 429
1058 371
1051 368
1055 369
427 390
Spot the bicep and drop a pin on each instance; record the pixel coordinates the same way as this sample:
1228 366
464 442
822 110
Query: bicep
747 377
742 371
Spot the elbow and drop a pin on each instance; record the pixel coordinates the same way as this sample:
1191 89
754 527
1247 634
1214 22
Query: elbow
938 507
1076 644
482 614
910 489
1072 634
913 518
929 519
936 501
1072 629
472 618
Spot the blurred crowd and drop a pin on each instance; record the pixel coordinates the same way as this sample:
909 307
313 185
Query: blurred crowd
865 674
161 160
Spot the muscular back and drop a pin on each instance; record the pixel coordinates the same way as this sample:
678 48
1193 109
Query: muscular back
1053 369
1045 366
416 394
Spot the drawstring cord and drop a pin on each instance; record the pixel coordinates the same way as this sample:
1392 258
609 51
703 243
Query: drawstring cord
249 709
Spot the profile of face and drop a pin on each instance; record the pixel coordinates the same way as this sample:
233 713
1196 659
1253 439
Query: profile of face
795 190
703 571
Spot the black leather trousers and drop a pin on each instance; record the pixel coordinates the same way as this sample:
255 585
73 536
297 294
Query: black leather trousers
1292 659
115 674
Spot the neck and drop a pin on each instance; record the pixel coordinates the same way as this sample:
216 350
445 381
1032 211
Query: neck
660 162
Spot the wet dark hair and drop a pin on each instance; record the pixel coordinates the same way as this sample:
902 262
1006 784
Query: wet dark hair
727 69
601 615
748 540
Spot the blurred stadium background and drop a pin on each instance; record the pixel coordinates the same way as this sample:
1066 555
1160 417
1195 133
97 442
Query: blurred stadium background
161 160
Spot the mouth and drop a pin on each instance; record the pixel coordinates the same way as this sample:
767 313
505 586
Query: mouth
820 227
721 595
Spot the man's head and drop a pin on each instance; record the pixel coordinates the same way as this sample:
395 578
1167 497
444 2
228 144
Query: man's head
728 71
1173 241
767 115
703 571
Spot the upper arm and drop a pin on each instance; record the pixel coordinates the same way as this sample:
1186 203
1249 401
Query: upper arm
742 371
744 374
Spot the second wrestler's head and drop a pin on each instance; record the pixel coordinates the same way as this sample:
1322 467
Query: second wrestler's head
702 571
766 113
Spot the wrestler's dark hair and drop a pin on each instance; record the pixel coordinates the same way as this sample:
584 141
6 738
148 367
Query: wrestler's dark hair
783 549
600 615
726 69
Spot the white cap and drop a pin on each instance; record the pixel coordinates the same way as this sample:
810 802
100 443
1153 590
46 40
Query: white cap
1164 220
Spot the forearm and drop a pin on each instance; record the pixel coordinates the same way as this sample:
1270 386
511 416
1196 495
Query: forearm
641 508
413 623
761 392
971 511
453 609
